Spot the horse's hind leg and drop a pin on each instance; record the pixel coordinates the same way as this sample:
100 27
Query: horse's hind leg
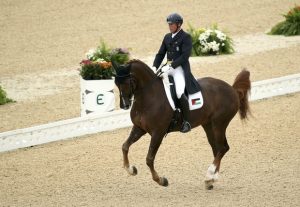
210 136
217 139
135 134
153 148
210 177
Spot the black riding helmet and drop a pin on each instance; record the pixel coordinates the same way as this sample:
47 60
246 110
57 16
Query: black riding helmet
174 18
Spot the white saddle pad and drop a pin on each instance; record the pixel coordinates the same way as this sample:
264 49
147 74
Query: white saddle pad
195 100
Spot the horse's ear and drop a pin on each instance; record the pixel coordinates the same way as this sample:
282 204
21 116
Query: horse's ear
115 66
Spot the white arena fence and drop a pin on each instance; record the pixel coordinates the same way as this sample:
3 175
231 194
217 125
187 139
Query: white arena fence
80 126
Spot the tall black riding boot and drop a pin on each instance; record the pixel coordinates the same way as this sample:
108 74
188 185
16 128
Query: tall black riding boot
184 106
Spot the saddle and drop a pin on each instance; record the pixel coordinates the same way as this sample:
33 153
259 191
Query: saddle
195 100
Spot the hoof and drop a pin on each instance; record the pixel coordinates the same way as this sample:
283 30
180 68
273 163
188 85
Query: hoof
209 184
164 182
209 187
132 170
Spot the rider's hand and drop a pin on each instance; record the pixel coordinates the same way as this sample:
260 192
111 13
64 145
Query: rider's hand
166 68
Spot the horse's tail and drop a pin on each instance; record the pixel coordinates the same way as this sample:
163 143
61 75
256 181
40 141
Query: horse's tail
242 86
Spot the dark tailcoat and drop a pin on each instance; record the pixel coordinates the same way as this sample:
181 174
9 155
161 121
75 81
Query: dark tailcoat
178 51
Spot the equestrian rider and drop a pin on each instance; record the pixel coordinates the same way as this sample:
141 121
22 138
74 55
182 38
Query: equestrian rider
178 46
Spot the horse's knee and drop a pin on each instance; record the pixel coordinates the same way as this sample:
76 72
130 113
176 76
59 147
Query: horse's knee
227 148
149 162
125 147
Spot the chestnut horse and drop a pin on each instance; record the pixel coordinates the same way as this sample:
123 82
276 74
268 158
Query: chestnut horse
151 112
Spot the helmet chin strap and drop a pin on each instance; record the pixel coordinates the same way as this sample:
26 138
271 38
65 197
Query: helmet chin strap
177 28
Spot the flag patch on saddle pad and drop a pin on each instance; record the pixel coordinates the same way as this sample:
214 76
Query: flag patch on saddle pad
196 101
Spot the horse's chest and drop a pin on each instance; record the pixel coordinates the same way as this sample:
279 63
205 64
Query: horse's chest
138 119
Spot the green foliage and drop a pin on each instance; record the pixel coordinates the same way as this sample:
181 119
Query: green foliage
195 33
291 25
120 55
210 41
95 71
102 53
3 97
98 65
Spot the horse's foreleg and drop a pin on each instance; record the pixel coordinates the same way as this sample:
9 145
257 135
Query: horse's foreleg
153 148
135 134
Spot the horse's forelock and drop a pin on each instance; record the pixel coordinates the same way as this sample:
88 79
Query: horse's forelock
122 73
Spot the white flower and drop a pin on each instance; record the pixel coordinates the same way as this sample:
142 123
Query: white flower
214 46
220 35
203 37
205 48
90 54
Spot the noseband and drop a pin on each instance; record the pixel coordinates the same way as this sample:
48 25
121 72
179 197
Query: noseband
132 85
121 79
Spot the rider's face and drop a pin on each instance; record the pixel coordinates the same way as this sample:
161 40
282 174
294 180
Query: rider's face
173 27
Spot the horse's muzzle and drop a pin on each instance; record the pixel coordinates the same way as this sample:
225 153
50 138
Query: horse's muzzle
126 107
124 103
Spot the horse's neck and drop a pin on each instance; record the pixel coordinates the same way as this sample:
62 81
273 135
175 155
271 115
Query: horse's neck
148 83
143 75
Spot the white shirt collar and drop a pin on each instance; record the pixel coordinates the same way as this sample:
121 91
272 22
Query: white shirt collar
174 34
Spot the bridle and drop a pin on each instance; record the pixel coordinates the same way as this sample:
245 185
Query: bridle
132 85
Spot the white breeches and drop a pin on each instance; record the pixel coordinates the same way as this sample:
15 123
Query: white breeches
179 80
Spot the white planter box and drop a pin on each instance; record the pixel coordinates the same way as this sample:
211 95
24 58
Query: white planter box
97 96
